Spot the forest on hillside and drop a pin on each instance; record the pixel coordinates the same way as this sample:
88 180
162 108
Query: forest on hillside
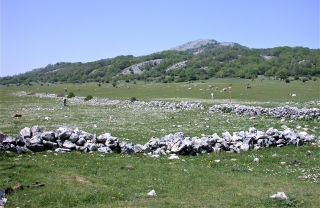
219 62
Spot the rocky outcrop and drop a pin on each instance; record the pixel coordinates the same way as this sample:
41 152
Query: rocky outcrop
64 139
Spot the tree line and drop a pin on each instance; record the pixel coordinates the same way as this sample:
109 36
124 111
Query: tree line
219 62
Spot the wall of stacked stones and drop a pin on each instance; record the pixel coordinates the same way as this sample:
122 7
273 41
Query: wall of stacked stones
278 112
64 139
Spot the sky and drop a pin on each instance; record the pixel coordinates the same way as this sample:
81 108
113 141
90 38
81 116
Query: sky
36 33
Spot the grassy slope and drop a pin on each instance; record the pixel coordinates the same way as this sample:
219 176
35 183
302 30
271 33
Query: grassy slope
96 180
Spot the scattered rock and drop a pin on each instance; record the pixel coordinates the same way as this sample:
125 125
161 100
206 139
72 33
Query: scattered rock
279 195
152 193
18 187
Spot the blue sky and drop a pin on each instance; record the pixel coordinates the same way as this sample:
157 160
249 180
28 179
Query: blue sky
35 33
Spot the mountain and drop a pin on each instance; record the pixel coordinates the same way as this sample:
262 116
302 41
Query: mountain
202 45
195 60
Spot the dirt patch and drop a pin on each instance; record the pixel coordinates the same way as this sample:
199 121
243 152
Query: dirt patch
76 178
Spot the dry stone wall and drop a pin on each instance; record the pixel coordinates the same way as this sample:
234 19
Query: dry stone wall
65 139
278 112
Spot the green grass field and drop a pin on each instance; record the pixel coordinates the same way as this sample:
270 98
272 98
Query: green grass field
97 180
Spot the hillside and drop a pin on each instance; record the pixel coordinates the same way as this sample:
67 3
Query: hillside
195 60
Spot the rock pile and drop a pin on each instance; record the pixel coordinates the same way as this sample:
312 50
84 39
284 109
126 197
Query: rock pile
64 139
278 112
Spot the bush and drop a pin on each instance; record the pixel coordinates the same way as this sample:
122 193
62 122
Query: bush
133 99
70 95
287 80
89 97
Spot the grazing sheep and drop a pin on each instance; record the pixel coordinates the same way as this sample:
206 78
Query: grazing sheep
212 96
293 95
249 87
16 115
65 89
217 88
189 88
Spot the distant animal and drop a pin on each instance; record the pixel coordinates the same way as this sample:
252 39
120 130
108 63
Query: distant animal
217 88
189 88
65 89
16 115
128 87
293 95
212 96
249 87
224 90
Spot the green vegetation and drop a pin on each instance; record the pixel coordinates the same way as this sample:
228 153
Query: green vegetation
89 97
71 95
214 61
103 180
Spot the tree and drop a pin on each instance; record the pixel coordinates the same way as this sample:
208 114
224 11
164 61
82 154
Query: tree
282 74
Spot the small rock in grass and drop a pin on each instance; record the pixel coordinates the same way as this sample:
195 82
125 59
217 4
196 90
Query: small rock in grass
279 195
173 157
152 193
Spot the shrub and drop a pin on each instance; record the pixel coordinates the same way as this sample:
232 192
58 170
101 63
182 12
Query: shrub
133 99
89 97
70 95
287 80
226 110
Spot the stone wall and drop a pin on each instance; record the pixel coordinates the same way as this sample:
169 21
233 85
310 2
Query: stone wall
64 139
278 112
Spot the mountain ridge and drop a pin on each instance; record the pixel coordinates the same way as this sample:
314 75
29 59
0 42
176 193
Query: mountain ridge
197 59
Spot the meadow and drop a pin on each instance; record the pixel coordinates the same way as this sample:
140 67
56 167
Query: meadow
104 180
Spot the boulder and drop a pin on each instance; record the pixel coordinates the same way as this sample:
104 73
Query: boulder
104 137
73 137
36 140
26 132
126 148
50 145
36 147
49 136
104 150
81 141
36 130
68 144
